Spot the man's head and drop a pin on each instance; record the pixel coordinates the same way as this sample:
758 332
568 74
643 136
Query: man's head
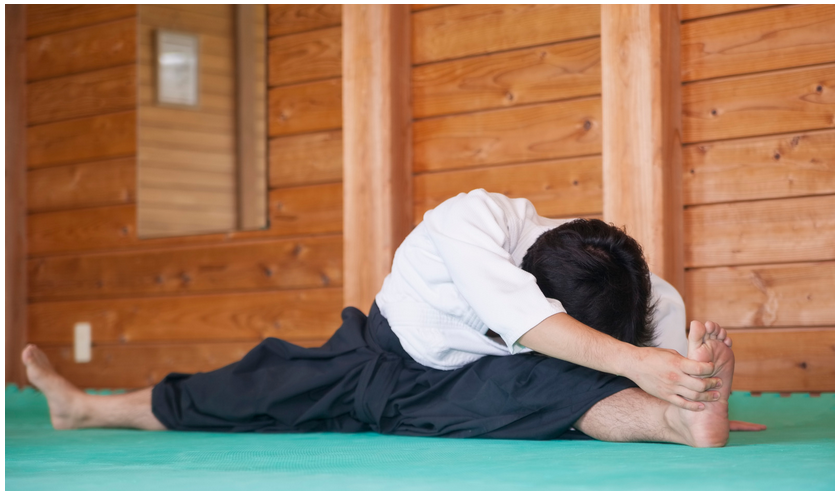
600 276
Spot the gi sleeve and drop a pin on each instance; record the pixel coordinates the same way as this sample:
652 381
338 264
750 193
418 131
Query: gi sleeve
473 234
670 316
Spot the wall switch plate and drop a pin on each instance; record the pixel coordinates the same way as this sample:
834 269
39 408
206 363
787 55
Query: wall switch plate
83 340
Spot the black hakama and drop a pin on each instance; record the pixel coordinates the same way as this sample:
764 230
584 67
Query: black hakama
362 380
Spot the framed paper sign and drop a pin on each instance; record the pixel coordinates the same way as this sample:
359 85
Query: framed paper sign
178 56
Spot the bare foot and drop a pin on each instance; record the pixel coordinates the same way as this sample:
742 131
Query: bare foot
708 428
63 398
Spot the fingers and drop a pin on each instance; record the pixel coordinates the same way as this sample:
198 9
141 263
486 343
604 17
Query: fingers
686 404
696 396
696 368
700 385
738 425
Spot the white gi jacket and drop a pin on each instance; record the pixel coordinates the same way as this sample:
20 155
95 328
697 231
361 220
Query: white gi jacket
458 274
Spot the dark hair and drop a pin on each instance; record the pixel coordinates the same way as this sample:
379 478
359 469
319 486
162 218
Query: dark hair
600 276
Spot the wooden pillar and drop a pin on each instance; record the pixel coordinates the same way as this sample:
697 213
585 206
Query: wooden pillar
15 191
642 131
377 180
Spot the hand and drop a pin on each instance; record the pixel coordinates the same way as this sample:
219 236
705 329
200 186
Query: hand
738 425
665 374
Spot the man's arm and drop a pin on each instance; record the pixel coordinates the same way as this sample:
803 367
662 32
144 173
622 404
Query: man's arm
662 373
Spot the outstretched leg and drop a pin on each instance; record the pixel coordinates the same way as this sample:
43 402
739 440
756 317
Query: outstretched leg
71 408
633 415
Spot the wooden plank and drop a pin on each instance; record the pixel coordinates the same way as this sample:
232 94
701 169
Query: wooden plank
82 50
170 118
280 264
690 11
15 191
769 231
289 315
531 75
642 131
189 21
250 108
796 294
66 142
82 185
87 94
464 30
288 19
185 138
797 360
771 167
781 102
80 230
305 56
306 159
165 158
528 133
137 366
771 39
309 107
571 187
45 19
416 7
377 145
306 209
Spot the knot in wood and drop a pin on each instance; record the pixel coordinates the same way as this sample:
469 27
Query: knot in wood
587 125
777 156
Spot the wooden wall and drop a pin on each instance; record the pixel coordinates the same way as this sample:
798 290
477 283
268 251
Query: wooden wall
759 186
191 303
507 98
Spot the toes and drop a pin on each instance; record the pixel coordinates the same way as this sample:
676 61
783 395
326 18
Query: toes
697 333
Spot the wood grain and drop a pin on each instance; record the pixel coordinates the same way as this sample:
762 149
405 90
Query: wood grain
98 228
771 167
139 366
769 231
528 133
796 360
45 19
531 75
377 145
194 21
82 185
290 315
15 191
780 102
82 50
288 19
763 40
302 210
171 118
77 96
306 56
415 7
309 107
570 187
280 264
642 131
796 294
86 139
306 159
463 30
695 11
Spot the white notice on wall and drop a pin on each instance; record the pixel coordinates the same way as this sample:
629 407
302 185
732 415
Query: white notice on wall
177 68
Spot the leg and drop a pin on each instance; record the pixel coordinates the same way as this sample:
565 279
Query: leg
632 415
71 408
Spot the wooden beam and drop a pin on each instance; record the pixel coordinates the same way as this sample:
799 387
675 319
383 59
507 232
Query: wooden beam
15 191
642 131
376 67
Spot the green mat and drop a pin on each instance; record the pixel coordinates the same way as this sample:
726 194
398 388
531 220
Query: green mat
796 453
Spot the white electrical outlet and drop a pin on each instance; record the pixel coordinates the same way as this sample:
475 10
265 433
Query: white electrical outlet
83 341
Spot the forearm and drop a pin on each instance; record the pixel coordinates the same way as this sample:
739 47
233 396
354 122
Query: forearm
563 337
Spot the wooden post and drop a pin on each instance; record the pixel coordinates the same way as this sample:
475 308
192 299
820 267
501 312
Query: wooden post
377 179
15 192
642 177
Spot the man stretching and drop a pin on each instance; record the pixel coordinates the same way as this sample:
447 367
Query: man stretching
494 322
